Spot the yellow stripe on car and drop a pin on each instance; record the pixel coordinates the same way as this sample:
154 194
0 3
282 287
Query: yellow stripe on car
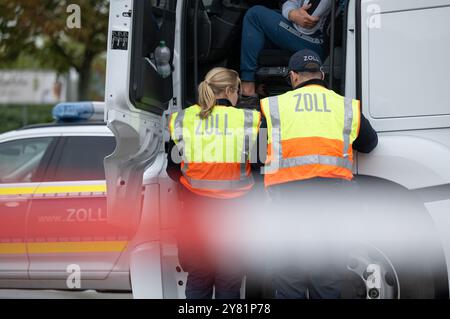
71 189
11 249
63 247
17 190
27 190
76 247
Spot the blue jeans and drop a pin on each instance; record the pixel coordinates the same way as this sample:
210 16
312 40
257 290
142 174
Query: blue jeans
262 29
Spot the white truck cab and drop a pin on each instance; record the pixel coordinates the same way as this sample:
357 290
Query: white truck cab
391 55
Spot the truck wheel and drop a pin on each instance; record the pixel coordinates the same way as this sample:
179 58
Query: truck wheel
372 274
401 255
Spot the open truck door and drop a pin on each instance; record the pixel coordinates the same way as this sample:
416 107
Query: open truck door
137 98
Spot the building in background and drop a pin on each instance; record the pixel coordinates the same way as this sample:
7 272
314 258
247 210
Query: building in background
33 87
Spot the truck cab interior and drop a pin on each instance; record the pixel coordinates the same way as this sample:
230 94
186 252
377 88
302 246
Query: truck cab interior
210 36
214 39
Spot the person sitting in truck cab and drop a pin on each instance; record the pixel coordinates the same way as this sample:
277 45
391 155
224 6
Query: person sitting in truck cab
214 139
299 26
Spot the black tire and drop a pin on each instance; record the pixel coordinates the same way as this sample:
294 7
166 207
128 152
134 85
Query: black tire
415 251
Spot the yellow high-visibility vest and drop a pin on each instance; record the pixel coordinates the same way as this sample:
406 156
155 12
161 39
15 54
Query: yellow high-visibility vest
216 150
310 134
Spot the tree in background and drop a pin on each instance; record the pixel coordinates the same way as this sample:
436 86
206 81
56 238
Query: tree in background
39 29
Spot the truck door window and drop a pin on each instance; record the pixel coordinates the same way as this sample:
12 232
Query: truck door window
153 21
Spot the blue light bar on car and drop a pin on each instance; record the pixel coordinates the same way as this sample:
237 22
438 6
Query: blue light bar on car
78 111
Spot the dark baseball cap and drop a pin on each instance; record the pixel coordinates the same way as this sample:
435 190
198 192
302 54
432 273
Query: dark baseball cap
305 61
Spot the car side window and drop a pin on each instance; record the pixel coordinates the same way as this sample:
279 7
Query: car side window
81 158
20 159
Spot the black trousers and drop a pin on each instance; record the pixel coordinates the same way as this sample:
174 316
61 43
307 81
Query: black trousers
317 273
196 251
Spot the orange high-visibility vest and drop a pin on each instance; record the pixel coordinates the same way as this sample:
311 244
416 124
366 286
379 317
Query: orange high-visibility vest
216 150
310 134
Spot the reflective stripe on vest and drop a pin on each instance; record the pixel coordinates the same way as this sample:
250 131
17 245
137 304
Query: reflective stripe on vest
329 144
248 138
228 125
220 185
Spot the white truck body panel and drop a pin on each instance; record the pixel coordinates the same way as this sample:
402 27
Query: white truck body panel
413 58
405 96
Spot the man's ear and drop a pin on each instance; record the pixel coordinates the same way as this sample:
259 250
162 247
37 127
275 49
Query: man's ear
323 75
294 77
291 78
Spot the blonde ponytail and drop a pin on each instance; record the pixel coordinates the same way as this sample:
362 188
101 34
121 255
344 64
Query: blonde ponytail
206 99
216 82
